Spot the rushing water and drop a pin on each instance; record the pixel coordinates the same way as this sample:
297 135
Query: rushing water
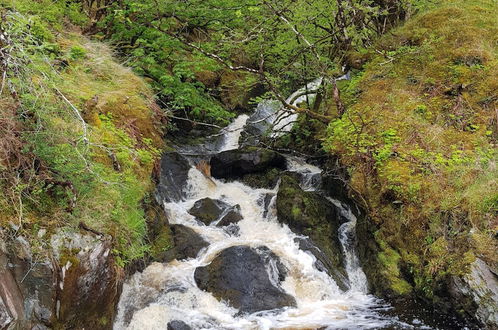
167 291
170 292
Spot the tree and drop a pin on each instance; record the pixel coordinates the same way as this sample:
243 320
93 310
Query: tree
286 43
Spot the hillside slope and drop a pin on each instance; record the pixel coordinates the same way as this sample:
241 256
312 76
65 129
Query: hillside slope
419 141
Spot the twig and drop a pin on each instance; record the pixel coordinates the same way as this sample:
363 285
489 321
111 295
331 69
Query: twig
77 112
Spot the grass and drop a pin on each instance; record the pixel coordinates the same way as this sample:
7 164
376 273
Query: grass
420 139
97 172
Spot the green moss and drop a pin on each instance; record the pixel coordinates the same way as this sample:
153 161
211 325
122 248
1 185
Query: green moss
95 172
162 242
419 140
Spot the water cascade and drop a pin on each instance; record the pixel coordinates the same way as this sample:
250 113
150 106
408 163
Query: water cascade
169 292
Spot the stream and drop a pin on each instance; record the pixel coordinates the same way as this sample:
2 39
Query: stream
167 295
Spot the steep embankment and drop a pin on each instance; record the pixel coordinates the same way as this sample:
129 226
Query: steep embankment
420 142
79 138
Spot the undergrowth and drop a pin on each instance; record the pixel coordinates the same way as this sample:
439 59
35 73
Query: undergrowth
420 141
82 132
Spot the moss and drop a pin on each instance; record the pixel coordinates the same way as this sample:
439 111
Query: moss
419 141
267 179
95 172
162 242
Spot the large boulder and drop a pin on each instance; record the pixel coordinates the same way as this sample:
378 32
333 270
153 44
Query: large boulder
233 164
239 275
173 177
311 214
187 244
89 281
477 293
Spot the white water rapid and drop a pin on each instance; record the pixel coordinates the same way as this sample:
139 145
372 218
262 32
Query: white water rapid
170 293
164 292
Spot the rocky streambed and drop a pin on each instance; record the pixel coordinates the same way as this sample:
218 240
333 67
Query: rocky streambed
260 240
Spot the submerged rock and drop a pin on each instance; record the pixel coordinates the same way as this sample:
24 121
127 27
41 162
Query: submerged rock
209 210
477 293
231 217
187 244
311 214
240 276
178 325
232 164
173 177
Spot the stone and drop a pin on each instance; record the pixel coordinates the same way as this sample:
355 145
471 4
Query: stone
178 325
187 244
310 214
173 177
239 275
231 217
208 210
232 164
477 293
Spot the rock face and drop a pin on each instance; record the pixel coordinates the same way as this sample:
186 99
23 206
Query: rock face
323 263
477 293
312 215
232 164
77 288
187 244
173 177
239 275
89 284
208 210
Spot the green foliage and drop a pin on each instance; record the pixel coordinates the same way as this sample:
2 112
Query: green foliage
419 140
77 52
96 172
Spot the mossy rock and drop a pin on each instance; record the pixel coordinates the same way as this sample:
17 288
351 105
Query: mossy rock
234 164
267 179
311 214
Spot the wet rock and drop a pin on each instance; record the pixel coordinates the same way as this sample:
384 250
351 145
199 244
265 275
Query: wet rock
308 213
76 287
158 233
477 293
267 179
89 281
266 203
323 263
260 122
208 210
11 300
31 282
232 164
240 275
178 325
173 177
231 216
187 244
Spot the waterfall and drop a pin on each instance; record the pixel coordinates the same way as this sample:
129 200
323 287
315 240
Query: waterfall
166 292
233 132
347 236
